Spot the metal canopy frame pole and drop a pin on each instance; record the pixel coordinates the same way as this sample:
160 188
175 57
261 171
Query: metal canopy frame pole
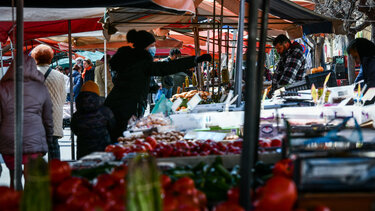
105 68
251 126
213 48
239 55
71 86
198 68
208 63
1 60
227 47
220 32
19 98
260 71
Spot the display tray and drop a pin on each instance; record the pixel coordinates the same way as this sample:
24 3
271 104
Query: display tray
337 173
229 161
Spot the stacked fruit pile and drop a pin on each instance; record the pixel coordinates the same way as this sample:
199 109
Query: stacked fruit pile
176 148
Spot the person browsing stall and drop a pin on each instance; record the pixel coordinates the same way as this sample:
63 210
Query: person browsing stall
37 124
88 73
363 52
93 123
55 83
134 67
291 67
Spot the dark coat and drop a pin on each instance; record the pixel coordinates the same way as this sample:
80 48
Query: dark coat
89 75
134 69
93 124
368 66
38 121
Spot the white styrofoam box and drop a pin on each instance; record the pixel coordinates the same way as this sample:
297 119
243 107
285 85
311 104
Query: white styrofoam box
202 120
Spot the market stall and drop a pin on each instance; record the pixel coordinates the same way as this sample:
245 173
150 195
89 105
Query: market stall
200 152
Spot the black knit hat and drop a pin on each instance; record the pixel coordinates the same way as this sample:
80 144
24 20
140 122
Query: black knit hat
140 39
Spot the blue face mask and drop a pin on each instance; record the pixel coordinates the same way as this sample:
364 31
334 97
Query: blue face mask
152 51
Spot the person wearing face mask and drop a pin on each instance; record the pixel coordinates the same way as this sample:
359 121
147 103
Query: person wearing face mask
363 53
134 67
291 67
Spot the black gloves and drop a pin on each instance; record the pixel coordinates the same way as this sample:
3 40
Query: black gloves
203 58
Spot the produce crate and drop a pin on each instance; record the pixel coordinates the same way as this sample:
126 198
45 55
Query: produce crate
229 161
298 86
318 79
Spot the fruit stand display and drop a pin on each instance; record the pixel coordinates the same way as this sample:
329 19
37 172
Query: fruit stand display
123 185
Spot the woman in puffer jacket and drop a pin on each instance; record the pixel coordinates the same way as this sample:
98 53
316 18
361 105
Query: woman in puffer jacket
37 124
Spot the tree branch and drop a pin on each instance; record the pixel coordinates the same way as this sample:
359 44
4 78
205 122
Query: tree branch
361 27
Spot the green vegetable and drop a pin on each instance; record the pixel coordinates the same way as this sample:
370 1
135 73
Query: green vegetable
37 193
143 188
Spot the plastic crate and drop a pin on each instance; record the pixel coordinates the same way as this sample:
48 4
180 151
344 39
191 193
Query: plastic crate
318 79
298 86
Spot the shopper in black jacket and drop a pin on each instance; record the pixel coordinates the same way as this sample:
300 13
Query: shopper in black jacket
93 123
134 67
363 52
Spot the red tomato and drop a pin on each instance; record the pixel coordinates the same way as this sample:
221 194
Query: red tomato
9 198
105 182
225 206
120 172
170 203
279 193
233 195
202 198
151 140
182 145
165 181
138 141
264 144
70 186
147 146
222 147
114 205
233 149
59 171
187 201
276 143
82 201
59 207
110 148
284 168
140 148
184 207
237 143
119 151
322 208
183 184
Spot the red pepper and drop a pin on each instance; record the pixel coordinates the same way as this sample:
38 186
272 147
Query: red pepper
284 168
279 193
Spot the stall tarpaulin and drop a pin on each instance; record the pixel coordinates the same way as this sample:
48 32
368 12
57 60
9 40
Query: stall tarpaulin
41 29
165 5
95 41
305 17
43 22
84 14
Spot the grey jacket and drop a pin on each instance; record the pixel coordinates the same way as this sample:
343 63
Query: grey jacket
38 123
